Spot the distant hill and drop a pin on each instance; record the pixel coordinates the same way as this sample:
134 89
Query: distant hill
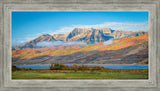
32 43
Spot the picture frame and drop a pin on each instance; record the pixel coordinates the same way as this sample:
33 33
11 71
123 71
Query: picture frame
7 6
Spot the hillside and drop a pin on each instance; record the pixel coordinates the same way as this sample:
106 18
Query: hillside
128 50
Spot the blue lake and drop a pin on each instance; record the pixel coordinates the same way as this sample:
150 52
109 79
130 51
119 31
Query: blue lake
90 65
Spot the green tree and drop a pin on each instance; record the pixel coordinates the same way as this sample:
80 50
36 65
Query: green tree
59 66
75 67
14 68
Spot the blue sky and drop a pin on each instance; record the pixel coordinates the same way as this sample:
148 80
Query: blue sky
28 25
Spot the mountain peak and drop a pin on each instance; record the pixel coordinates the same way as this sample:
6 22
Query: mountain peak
103 28
84 28
87 28
45 35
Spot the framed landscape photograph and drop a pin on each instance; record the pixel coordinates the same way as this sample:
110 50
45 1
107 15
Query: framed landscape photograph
80 45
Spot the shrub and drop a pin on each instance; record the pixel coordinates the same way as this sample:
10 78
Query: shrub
14 68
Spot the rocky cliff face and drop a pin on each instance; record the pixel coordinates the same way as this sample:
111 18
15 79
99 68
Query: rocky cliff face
91 35
117 34
77 31
60 37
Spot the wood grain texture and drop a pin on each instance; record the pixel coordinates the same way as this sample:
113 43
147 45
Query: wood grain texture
6 84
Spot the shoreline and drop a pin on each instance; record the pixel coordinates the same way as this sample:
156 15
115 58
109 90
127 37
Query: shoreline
91 64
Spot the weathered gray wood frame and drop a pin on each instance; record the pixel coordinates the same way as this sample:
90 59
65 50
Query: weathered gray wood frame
7 6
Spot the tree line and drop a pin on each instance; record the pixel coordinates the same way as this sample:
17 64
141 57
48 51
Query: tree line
75 67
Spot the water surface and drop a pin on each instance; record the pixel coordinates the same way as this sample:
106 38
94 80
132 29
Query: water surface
45 66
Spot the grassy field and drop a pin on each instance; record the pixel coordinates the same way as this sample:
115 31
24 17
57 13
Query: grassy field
71 74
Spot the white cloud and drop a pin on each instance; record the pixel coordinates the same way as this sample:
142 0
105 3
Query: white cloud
33 36
110 41
64 30
47 32
58 43
112 25
16 43
29 38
